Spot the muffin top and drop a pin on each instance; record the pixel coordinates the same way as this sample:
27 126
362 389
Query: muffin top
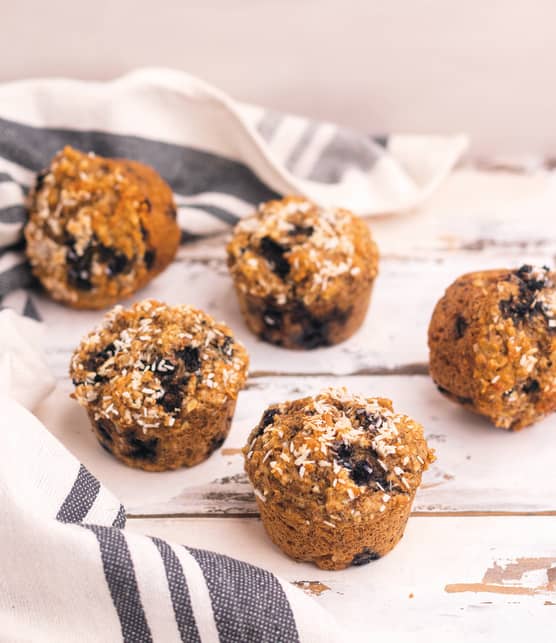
294 250
152 364
342 454
90 223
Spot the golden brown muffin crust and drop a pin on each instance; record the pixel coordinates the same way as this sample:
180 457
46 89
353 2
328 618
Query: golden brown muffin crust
99 229
159 383
492 340
335 475
303 274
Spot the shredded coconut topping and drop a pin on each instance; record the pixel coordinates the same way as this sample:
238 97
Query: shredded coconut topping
294 249
152 364
340 446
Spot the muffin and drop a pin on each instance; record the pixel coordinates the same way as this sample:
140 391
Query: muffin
335 476
159 384
492 341
303 274
99 229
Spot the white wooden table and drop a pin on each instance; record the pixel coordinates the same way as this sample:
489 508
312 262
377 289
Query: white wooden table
478 559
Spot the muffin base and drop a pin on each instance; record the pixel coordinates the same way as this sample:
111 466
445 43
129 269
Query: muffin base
335 548
295 326
190 441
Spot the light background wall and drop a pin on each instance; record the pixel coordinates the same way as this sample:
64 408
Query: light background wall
485 67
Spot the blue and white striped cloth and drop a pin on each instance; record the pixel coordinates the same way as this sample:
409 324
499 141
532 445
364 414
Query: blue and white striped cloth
221 157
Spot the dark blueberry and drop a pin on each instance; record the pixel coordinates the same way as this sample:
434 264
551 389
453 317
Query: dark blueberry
459 398
531 386
79 268
306 231
142 449
190 357
362 473
173 394
216 443
95 360
272 318
460 326
315 331
267 419
524 273
524 305
149 258
314 334
116 262
144 233
518 309
103 427
344 454
365 556
369 470
369 420
105 447
147 203
273 252
227 346
39 181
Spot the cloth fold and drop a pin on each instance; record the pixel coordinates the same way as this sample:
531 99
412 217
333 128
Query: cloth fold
69 569
220 156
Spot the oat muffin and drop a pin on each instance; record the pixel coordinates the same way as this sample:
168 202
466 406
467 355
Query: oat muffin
159 383
99 229
335 476
492 341
303 274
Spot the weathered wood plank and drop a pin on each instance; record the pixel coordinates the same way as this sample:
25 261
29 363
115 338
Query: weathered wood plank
394 335
475 220
468 579
479 468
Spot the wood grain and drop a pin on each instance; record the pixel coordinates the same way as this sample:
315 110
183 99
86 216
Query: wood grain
479 468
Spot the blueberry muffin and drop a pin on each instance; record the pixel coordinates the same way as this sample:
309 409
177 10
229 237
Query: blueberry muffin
335 476
492 341
99 229
303 274
159 383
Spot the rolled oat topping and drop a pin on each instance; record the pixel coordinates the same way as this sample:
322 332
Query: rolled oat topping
295 250
151 364
339 448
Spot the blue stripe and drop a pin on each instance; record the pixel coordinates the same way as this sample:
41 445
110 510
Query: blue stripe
188 171
179 593
13 214
122 583
81 497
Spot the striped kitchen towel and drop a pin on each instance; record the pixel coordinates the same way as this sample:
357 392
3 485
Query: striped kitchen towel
69 571
221 157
